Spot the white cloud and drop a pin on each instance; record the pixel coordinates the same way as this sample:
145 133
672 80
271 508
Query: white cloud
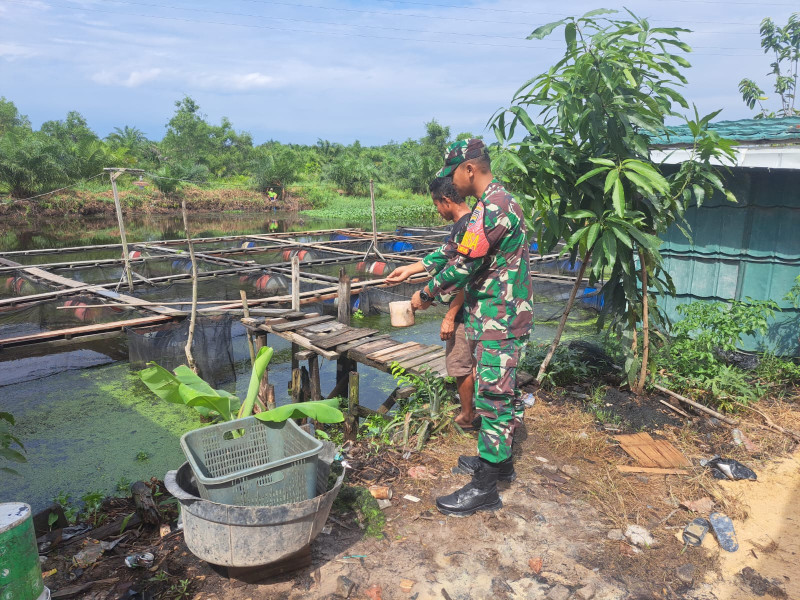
240 82
133 79
12 51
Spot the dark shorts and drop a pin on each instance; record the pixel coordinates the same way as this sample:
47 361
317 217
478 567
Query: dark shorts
458 354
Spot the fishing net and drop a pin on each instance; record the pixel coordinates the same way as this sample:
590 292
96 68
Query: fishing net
166 345
61 313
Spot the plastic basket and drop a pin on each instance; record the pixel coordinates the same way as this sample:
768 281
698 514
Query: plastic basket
271 464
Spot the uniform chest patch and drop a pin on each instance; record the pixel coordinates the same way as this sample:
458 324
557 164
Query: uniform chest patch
474 243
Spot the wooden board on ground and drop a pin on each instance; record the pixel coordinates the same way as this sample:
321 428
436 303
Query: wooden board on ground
652 453
651 470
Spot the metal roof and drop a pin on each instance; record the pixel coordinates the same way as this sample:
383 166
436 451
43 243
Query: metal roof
760 143
745 131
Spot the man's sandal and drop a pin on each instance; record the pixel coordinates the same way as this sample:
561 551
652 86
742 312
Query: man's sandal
695 531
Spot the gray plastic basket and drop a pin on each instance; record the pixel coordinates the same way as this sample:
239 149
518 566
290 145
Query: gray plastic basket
271 464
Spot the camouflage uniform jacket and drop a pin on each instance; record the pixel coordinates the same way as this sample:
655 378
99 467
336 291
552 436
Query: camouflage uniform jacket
498 291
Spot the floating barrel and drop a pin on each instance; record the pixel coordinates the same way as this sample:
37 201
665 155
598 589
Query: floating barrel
20 571
376 267
248 245
82 313
398 246
592 297
569 266
303 255
182 264
19 286
534 247
271 284
339 237
134 254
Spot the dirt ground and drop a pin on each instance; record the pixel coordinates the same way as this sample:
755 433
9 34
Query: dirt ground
560 534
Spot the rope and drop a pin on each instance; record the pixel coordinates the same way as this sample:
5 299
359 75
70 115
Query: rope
58 190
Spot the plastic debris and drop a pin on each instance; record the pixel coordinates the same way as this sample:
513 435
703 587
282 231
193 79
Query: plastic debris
702 506
728 468
140 560
411 498
373 593
536 564
384 503
327 530
639 536
345 586
89 555
529 400
406 585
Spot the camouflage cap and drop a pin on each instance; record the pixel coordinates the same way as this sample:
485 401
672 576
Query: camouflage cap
459 152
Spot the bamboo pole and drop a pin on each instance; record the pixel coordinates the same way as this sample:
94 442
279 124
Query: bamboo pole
351 422
193 314
645 328
562 323
343 298
295 307
246 311
696 405
122 236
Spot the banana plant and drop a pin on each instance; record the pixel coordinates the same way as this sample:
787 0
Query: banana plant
184 386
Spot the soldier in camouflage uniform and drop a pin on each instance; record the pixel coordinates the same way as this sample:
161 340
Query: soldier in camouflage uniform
492 267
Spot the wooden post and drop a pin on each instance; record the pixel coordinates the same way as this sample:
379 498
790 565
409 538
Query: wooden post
246 311
193 314
313 372
343 298
295 283
125 255
374 217
351 421
270 397
296 385
295 304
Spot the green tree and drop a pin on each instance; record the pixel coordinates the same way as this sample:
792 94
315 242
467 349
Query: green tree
29 160
190 139
784 44
584 171
274 165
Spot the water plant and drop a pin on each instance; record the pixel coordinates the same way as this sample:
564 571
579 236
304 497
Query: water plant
7 441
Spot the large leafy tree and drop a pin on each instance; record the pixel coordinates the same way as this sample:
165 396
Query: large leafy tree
577 151
784 45
191 140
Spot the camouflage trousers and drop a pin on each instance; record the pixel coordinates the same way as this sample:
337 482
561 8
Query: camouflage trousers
497 397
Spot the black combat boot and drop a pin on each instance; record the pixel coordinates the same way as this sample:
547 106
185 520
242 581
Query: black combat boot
467 465
478 494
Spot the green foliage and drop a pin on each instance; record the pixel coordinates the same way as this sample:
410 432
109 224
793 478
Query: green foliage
323 411
365 506
7 441
692 360
784 45
186 387
776 371
564 369
70 511
142 456
124 486
92 505
428 412
793 295
583 170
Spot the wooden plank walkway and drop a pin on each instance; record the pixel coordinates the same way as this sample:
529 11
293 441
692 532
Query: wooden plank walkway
326 337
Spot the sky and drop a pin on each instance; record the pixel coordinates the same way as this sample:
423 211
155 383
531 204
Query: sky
301 70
